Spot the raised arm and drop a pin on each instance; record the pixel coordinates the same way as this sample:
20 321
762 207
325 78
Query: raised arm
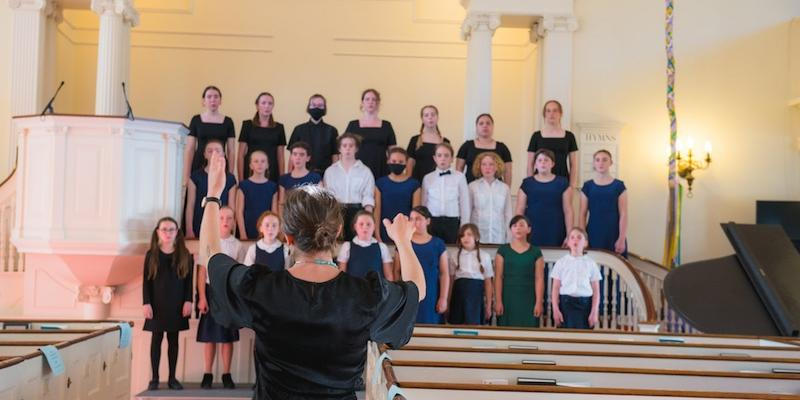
209 228
400 230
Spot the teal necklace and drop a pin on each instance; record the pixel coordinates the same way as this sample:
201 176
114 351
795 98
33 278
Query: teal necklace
318 261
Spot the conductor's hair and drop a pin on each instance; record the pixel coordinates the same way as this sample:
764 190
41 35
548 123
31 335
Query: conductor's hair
313 217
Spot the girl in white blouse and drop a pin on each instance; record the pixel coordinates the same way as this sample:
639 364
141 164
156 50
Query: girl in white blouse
471 273
490 199
351 182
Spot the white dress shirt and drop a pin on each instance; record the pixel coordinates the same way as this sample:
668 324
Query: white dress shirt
576 275
354 186
491 209
446 195
231 247
344 251
468 266
250 257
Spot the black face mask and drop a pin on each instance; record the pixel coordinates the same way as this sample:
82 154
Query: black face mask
316 113
396 169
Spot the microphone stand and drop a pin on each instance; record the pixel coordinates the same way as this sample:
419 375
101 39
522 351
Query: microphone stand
48 109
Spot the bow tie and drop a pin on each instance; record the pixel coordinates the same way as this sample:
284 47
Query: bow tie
448 172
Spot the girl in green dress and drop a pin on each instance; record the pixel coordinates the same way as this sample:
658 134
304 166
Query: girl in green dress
519 278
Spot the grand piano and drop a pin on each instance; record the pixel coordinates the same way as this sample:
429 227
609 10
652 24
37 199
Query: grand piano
755 291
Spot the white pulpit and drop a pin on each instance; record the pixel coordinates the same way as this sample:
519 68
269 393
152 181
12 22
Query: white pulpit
89 191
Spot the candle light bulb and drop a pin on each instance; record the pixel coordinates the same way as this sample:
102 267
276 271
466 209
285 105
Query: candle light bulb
690 143
679 146
708 148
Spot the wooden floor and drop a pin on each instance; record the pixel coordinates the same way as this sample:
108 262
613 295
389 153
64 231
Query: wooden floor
193 391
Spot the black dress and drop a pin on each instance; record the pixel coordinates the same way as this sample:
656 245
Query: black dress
322 139
423 157
311 337
374 144
203 131
265 139
561 147
468 152
166 295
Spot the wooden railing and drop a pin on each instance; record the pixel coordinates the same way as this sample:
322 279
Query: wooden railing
10 260
653 275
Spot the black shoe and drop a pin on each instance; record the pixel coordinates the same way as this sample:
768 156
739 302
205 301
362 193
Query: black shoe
153 385
174 384
227 382
207 380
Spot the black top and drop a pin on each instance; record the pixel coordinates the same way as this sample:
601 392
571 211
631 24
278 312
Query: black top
468 152
166 295
423 157
266 139
322 139
374 144
561 147
310 337
204 131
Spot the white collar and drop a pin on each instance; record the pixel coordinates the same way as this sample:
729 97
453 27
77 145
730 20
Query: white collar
269 248
362 243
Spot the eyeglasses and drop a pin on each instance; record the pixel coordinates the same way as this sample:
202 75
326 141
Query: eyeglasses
168 230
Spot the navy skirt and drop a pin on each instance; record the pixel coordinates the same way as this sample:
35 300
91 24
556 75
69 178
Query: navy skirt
209 331
575 311
466 304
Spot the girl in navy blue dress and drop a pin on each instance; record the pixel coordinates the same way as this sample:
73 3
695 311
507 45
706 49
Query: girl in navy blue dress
299 157
364 253
605 200
257 194
395 193
269 251
432 254
544 199
198 187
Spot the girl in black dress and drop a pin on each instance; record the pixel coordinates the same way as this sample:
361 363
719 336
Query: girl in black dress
167 294
558 140
421 147
483 142
312 321
377 135
210 124
262 133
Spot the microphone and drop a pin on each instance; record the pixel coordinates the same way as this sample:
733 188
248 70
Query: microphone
48 109
129 114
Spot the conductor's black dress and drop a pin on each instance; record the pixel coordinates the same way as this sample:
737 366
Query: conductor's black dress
310 337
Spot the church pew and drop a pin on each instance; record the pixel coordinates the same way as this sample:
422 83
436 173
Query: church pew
506 356
599 377
599 345
16 349
735 340
54 336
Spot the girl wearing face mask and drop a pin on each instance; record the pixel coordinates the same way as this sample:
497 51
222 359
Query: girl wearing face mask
321 137
262 133
396 193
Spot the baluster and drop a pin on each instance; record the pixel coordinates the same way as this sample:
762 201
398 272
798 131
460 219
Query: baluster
5 265
614 300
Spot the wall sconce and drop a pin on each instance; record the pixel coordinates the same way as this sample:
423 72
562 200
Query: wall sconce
687 164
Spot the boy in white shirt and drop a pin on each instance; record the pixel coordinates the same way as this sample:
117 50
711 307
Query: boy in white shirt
576 286
445 193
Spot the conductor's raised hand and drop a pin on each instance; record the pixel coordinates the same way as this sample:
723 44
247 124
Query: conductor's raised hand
399 230
216 175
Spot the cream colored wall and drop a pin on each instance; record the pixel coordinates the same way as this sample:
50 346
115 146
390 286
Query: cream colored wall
5 85
410 50
732 89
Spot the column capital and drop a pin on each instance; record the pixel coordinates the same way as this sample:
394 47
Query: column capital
556 23
479 22
124 8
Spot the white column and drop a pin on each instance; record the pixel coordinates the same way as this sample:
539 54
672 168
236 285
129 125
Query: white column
31 59
555 66
117 17
478 30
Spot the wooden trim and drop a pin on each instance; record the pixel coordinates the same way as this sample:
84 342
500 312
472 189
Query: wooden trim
599 354
61 345
45 331
606 391
10 175
647 260
36 343
613 342
610 370
606 332
63 321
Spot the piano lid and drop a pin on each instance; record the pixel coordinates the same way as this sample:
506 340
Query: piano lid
754 292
